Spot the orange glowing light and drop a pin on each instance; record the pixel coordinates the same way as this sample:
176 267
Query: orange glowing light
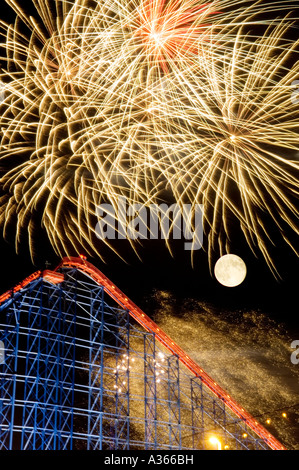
170 29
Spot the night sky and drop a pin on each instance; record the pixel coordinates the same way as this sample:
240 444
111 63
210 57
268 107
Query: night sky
157 268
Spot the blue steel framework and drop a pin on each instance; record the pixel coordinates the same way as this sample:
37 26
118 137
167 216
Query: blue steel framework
80 373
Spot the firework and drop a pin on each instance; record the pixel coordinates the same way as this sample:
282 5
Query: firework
138 99
238 145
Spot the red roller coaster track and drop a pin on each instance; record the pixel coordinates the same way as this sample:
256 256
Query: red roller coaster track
84 266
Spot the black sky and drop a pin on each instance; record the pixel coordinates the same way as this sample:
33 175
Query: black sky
159 270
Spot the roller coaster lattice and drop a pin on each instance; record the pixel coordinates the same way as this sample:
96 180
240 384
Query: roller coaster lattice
83 368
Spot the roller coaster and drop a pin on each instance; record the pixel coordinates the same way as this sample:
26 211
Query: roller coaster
83 367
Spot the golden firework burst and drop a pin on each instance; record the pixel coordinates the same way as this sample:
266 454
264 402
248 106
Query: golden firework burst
141 99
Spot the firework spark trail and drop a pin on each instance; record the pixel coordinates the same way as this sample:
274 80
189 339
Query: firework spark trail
239 127
134 97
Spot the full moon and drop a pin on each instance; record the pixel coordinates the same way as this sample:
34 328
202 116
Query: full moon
230 270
